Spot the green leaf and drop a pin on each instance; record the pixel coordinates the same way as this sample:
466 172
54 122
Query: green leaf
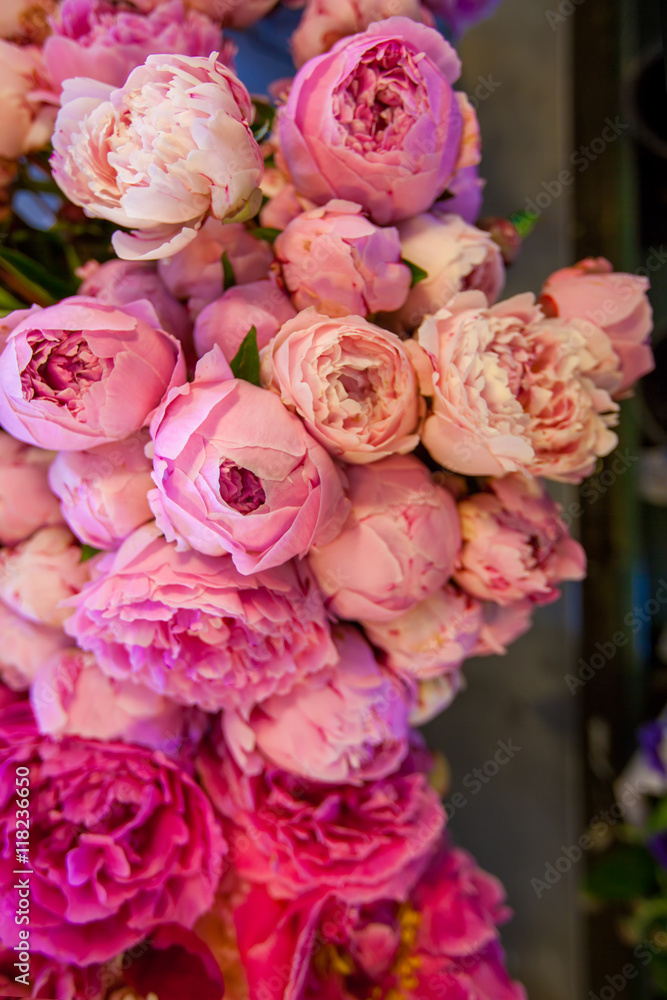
87 552
524 222
657 821
266 234
40 284
418 273
263 121
228 275
627 872
246 362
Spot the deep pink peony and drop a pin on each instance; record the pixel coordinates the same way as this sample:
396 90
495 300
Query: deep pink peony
195 273
351 382
26 647
337 261
81 373
462 14
26 502
27 119
193 628
456 256
514 391
38 575
345 725
362 843
96 39
104 491
189 117
122 841
176 964
227 321
614 302
376 121
236 472
515 545
53 979
398 546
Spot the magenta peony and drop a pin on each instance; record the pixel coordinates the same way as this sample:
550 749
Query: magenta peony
81 373
228 320
193 628
189 117
236 472
38 575
376 121
26 502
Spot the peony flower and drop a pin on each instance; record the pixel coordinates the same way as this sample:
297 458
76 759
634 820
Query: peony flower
81 373
337 261
176 963
71 696
296 838
512 391
27 119
234 13
462 14
457 257
25 20
49 978
26 647
376 121
609 301
431 639
39 574
189 118
228 320
346 725
515 545
398 546
119 282
325 22
350 381
236 472
466 193
104 491
503 625
26 502
124 842
435 695
193 628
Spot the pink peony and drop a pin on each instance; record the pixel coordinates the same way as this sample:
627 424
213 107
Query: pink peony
348 724
81 373
196 272
457 257
360 842
466 193
334 259
512 391
462 14
398 546
104 491
26 646
189 117
324 22
25 20
613 302
95 39
515 545
26 502
27 119
433 638
376 121
227 321
122 842
284 204
501 626
49 978
236 472
175 964
234 13
435 695
39 574
191 627
119 282
350 381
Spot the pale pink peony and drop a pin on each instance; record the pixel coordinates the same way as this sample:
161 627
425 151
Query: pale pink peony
26 647
348 724
195 273
189 118
70 696
26 502
236 472
337 261
104 492
81 373
192 628
376 121
515 545
228 320
27 119
350 381
37 575
398 546
119 282
456 256
614 302
234 13
96 39
512 390
325 22
433 638
284 204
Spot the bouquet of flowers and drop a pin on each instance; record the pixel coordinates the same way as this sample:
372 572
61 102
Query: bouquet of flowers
272 469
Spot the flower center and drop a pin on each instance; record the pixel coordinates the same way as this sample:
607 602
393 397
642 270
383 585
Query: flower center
62 370
240 488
